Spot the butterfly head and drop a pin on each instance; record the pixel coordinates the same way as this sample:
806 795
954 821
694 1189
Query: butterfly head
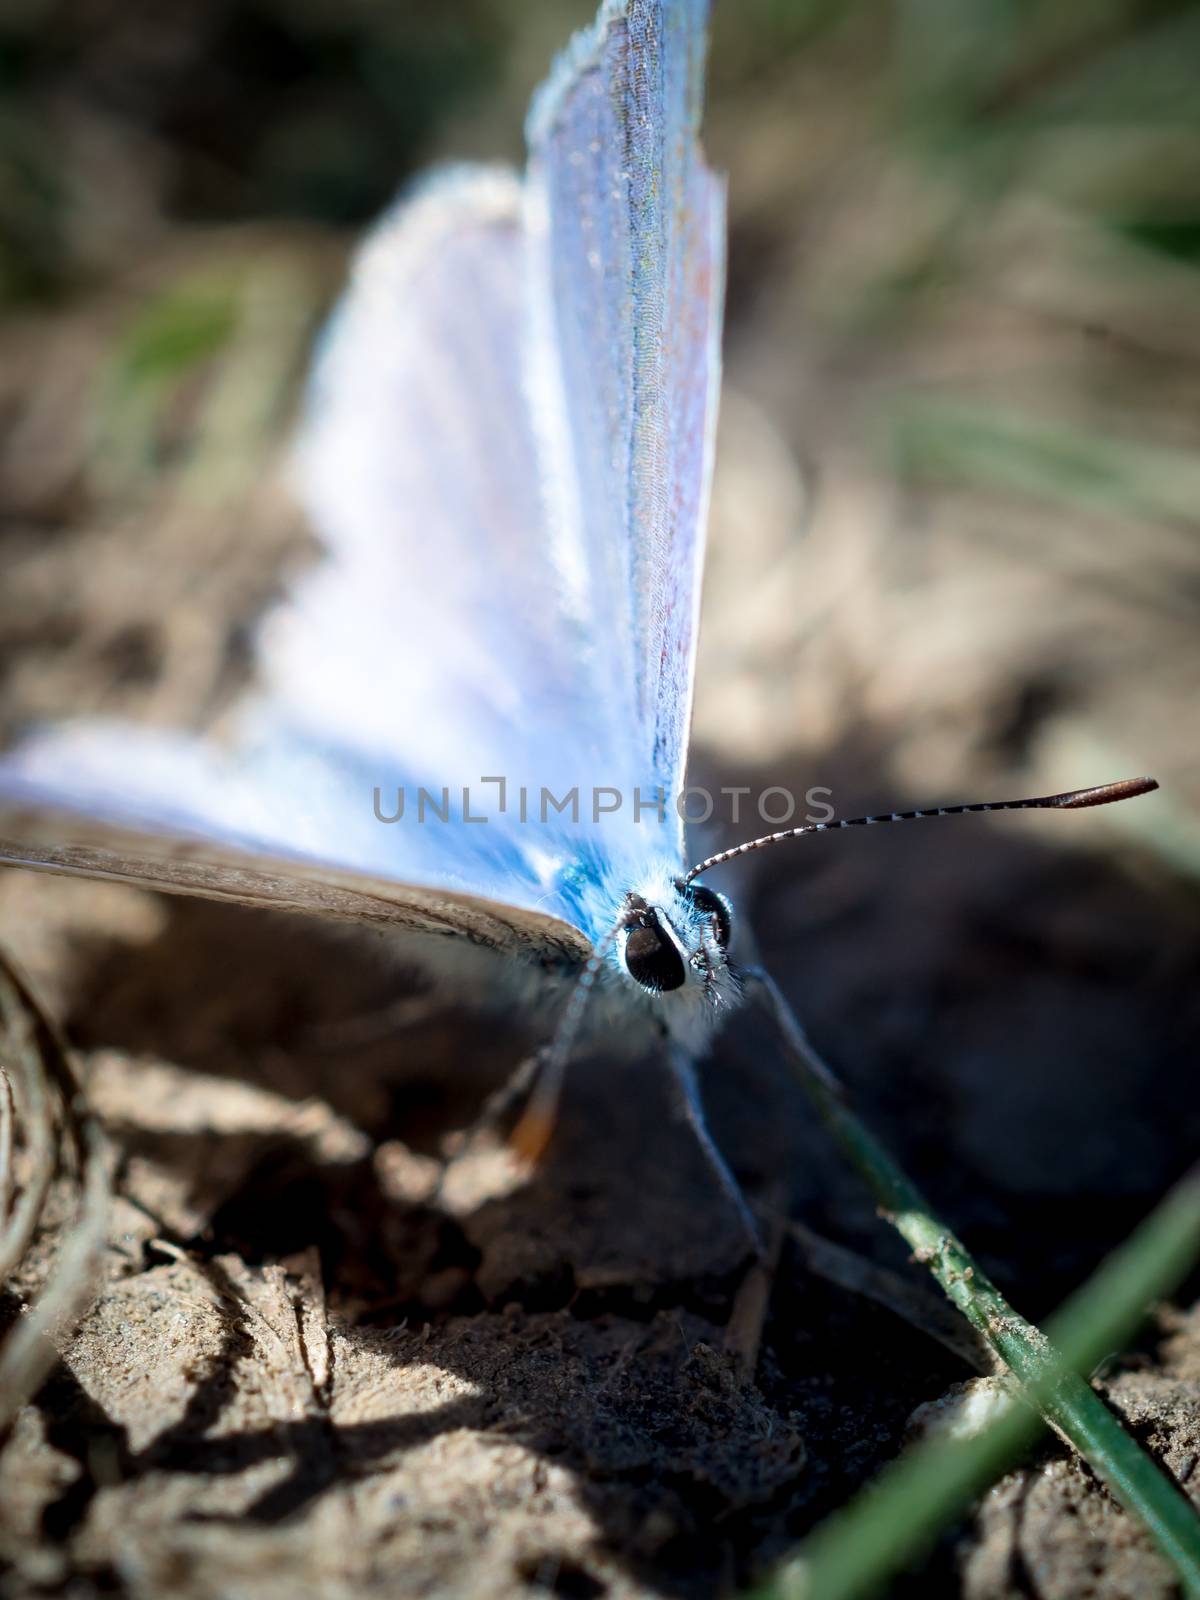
673 943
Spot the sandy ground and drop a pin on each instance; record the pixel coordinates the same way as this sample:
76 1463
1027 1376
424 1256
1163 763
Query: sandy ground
319 1363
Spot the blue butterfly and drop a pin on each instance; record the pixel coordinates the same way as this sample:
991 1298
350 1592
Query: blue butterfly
506 453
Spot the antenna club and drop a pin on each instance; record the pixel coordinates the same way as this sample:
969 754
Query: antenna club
1106 793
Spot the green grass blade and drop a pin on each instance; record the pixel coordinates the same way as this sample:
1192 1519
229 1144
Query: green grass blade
897 1517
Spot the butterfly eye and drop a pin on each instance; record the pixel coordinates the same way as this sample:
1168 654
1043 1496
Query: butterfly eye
711 904
650 957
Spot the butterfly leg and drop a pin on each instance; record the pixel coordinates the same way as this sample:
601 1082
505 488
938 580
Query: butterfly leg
500 1104
928 1314
504 1100
692 1109
800 1053
365 1028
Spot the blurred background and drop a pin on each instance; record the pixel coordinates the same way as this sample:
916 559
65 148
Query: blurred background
959 483
954 542
955 552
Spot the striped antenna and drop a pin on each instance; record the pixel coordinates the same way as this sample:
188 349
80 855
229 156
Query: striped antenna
1103 794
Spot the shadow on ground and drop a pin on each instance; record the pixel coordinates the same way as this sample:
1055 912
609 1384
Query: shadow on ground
309 1326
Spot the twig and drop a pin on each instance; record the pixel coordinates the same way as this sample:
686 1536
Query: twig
61 1137
31 1093
8 1117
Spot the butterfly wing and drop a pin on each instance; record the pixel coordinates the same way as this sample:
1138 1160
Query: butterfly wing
199 868
185 820
627 231
506 454
429 648
440 636
556 511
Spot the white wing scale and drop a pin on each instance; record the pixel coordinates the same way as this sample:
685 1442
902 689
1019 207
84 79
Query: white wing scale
507 457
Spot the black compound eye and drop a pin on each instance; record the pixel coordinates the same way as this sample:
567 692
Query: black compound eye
711 904
652 960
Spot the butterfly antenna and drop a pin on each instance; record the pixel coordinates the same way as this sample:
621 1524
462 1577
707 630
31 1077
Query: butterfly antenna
1103 794
536 1124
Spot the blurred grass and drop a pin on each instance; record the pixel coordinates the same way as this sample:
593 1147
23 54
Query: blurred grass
317 109
183 327
1039 457
113 127
224 346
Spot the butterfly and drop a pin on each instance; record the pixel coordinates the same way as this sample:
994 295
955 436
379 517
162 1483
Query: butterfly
471 725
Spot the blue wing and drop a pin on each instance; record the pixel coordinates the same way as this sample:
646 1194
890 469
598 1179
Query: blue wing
506 455
627 236
439 637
